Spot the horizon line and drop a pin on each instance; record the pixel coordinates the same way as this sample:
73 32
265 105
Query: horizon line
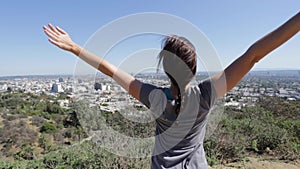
64 74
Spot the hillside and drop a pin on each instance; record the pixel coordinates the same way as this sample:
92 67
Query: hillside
35 132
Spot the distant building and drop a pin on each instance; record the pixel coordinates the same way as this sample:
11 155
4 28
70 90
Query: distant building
80 89
4 87
97 86
291 99
102 87
106 87
60 80
70 89
234 104
56 88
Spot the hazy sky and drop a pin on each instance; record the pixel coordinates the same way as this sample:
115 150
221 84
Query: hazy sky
231 26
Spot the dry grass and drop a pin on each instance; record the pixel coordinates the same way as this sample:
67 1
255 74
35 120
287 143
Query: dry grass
257 163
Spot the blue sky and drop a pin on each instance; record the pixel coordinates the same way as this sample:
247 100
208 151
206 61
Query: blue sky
231 25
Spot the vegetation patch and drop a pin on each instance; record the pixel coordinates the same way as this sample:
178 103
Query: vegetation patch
41 134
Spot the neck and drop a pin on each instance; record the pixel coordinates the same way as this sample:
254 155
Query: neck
175 91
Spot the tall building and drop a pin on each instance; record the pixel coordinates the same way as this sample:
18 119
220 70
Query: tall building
56 88
97 86
60 80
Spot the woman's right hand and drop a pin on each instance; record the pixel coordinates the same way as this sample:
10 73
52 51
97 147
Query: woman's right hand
60 38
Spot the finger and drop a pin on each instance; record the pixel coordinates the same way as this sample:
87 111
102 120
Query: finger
53 42
46 29
53 29
50 34
61 30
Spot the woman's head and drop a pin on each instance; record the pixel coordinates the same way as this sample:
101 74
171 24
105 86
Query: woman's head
179 59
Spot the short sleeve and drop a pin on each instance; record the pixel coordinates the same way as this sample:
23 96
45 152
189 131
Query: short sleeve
145 92
208 92
154 98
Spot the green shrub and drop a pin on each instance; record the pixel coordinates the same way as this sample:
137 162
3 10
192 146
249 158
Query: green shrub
48 128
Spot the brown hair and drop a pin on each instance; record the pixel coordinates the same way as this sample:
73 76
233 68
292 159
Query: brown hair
182 48
181 68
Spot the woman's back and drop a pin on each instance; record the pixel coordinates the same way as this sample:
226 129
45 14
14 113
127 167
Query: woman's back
179 137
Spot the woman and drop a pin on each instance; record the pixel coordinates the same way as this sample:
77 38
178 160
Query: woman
181 109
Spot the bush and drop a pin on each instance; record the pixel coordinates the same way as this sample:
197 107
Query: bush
44 142
37 121
26 153
48 128
254 130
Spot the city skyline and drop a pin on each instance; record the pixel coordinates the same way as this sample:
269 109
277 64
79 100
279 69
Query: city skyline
97 74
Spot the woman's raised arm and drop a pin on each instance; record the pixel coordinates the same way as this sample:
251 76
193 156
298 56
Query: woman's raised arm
61 39
226 80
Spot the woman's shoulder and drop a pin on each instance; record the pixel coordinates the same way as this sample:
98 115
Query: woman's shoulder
207 91
150 92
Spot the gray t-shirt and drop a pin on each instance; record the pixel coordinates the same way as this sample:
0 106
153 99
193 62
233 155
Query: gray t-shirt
179 138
